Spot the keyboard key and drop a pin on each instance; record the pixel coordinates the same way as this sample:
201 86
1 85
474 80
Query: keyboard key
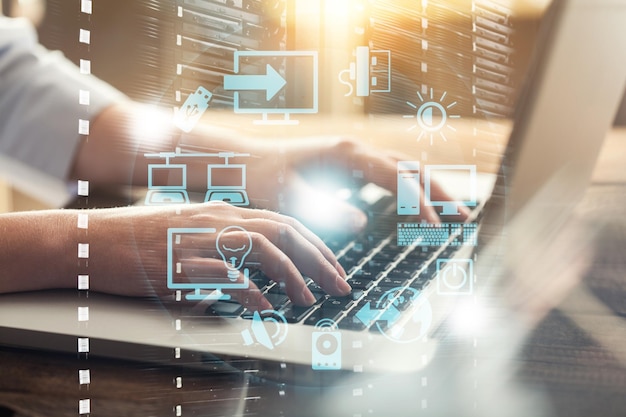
349 261
361 284
356 295
363 275
276 300
317 291
277 289
385 256
336 303
375 266
294 313
314 317
260 279
392 282
350 322
374 294
224 309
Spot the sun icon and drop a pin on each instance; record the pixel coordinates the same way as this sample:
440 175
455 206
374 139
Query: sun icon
432 116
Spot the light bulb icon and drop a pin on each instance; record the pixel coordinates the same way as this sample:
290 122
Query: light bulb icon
233 248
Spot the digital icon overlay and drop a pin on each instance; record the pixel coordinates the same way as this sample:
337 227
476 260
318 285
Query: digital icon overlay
408 193
167 182
370 72
431 234
260 71
432 115
196 104
267 328
184 276
455 276
386 315
227 182
326 346
234 251
464 176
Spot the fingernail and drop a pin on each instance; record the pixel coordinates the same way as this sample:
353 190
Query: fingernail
307 295
342 286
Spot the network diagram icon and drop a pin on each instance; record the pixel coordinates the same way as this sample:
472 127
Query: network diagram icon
432 115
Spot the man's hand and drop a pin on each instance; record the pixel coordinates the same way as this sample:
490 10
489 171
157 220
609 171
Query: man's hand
130 245
128 251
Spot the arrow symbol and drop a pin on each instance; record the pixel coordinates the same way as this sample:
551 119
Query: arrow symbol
367 314
271 82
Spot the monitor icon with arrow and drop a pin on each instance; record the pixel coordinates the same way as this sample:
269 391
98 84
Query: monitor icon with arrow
278 83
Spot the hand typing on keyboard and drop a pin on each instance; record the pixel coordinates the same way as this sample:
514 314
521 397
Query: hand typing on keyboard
124 250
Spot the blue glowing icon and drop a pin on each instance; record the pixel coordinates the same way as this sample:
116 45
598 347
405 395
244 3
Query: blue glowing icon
432 115
183 273
371 72
326 346
260 71
455 276
271 82
464 178
408 193
233 244
167 183
227 182
192 109
436 234
387 312
267 328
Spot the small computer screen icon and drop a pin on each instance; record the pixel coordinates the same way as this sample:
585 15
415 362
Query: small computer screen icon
167 177
226 177
299 82
167 184
227 183
184 273
462 177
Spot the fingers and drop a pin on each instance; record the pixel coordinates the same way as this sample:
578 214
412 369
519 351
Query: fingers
280 226
288 250
381 168
277 265
278 245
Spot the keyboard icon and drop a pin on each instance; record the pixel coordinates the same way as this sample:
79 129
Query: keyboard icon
427 234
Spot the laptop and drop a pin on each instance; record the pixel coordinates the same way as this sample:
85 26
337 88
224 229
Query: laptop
403 289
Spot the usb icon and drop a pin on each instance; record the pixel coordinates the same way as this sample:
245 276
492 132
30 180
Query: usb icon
192 109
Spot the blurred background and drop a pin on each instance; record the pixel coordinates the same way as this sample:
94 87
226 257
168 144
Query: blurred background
476 55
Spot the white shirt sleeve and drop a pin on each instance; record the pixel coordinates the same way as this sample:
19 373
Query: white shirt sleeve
40 112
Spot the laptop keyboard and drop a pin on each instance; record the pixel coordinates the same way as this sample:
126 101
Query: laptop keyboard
373 269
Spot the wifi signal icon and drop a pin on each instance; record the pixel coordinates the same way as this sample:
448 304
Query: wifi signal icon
268 328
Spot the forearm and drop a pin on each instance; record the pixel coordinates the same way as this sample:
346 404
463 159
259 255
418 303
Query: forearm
124 132
39 250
